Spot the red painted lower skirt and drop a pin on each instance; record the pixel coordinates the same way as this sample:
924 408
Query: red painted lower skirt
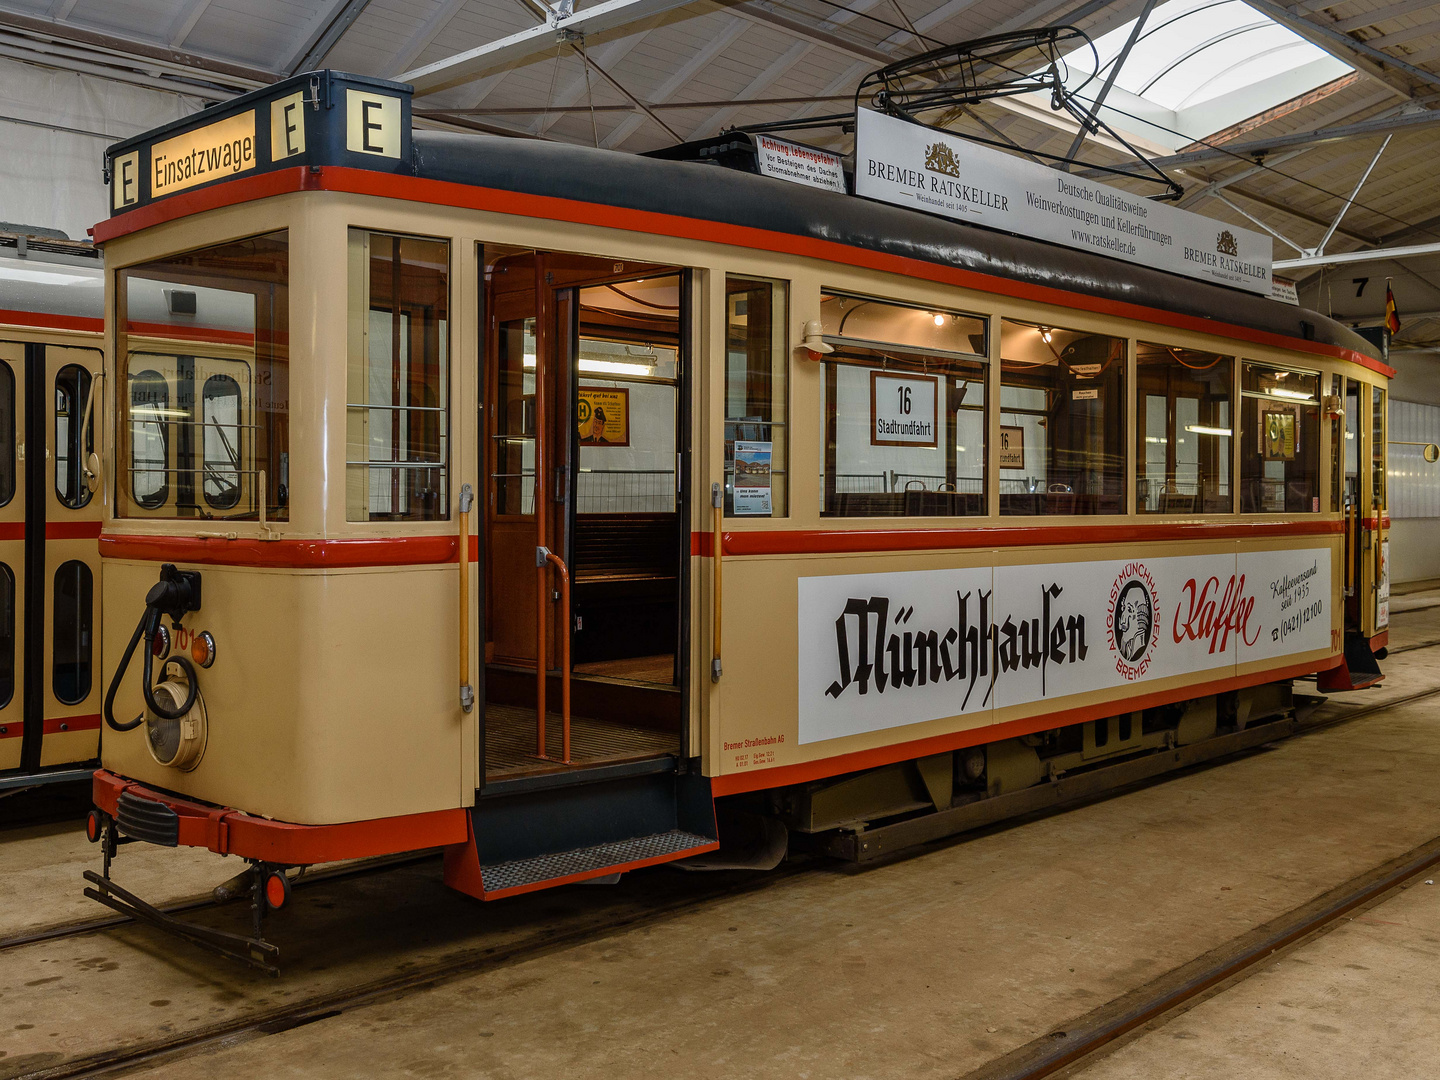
230 832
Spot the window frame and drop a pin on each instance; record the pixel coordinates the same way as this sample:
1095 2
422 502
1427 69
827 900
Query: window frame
1229 455
903 354
780 362
445 343
1241 480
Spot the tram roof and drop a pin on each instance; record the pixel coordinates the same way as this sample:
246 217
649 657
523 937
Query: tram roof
730 197
335 107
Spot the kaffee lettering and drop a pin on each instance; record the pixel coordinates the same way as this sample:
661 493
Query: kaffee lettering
1208 618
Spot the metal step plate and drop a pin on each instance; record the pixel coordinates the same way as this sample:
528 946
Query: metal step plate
505 876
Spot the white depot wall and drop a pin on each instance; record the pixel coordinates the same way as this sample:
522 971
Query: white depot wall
55 126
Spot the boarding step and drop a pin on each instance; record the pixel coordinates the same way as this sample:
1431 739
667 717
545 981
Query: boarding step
601 824
594 861
1358 668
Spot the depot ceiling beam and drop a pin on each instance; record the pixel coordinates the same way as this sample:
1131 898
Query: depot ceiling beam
1354 52
1379 15
423 36
1255 147
185 21
473 63
1368 255
717 44
135 50
324 33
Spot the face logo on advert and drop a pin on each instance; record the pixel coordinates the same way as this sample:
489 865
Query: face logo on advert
1131 623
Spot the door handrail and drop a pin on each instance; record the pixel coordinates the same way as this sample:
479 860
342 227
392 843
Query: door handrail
544 556
467 692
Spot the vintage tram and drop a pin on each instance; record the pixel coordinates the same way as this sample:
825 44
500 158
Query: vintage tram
533 502
51 337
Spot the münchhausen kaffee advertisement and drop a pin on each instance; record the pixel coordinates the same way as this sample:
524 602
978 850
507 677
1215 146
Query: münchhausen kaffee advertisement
879 651
925 169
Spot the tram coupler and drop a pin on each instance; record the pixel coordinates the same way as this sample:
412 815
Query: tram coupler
254 951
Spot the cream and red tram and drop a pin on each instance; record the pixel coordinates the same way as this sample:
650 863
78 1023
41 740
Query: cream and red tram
785 502
51 338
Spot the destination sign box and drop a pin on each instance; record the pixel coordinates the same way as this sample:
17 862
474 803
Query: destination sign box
320 118
924 169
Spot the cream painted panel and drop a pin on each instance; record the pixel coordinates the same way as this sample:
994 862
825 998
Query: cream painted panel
332 697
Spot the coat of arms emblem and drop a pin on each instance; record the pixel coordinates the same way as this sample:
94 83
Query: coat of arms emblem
940 158
1225 243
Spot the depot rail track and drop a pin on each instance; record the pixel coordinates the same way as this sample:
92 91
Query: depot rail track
1041 1057
1083 1037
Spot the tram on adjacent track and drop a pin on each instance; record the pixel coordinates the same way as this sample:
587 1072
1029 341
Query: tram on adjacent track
51 348
551 505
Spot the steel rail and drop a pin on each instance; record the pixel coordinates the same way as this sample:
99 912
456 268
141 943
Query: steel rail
467 961
1080 1039
1036 1059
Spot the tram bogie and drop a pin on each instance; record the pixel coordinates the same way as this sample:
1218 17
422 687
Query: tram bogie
784 502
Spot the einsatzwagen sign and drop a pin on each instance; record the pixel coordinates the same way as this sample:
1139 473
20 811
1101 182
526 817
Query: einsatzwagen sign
879 651
925 169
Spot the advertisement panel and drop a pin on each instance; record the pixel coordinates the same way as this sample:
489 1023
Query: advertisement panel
924 169
878 651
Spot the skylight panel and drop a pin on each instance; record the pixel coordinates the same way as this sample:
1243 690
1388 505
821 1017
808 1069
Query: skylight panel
1199 66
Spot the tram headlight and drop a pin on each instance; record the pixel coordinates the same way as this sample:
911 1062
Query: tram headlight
179 743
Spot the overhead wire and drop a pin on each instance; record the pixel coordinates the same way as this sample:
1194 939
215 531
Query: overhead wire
1014 68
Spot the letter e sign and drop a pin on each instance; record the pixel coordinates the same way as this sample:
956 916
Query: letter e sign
372 123
125 180
287 127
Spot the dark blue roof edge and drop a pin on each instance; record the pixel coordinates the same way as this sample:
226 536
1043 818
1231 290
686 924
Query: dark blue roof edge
711 193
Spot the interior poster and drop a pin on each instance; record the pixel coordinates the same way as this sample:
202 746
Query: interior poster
880 651
752 478
603 416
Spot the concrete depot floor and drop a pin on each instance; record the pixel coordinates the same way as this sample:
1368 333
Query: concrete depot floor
926 966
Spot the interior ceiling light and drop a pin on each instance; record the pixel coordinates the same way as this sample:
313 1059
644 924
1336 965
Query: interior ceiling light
1045 334
939 320
1201 429
1298 395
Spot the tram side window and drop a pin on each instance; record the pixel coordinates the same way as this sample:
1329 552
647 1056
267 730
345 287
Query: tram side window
904 409
1377 447
397 429
1337 447
221 447
72 387
7 433
204 422
7 635
70 646
149 438
1183 430
756 362
1062 421
1279 440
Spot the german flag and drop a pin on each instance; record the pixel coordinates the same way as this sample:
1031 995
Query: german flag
1392 316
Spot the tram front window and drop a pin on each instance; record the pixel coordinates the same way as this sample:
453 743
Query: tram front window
1062 421
204 427
1279 440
